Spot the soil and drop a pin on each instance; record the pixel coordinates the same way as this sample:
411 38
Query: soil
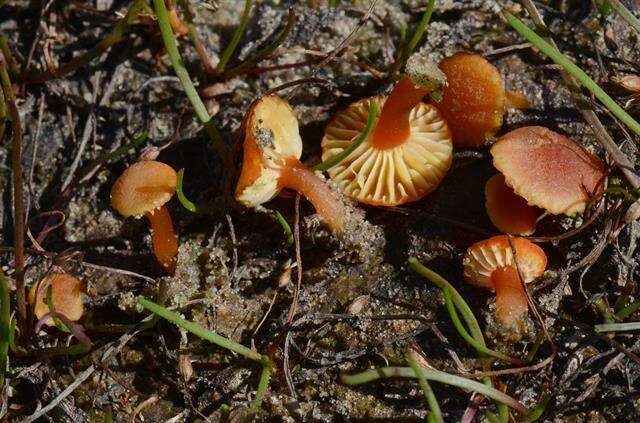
359 305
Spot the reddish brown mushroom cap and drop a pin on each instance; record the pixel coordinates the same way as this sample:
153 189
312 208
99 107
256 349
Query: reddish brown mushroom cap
473 101
142 188
485 257
548 170
66 296
508 212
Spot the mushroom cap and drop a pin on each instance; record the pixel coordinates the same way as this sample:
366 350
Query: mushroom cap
548 170
271 136
508 212
143 187
473 101
66 295
389 177
483 257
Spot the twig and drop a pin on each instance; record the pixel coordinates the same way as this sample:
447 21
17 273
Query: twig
18 193
296 236
149 401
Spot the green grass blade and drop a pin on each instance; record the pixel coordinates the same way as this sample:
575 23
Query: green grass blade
188 204
560 59
625 14
201 332
187 84
617 327
468 338
285 227
436 376
436 414
628 310
334 160
415 39
235 40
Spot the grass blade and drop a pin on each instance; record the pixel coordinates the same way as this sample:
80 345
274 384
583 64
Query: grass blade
285 227
187 84
334 160
188 204
436 376
235 40
415 39
436 414
625 14
617 327
201 332
560 59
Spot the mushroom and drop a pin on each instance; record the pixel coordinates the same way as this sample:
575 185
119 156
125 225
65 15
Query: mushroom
509 212
142 190
66 297
409 150
271 161
490 264
547 170
473 102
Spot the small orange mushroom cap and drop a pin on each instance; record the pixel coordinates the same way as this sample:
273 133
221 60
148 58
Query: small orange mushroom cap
66 296
473 102
484 257
508 212
271 137
142 188
548 170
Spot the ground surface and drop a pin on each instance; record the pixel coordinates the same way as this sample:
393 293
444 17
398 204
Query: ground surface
233 269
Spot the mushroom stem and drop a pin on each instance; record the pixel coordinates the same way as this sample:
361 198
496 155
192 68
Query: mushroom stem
165 244
511 300
298 177
393 126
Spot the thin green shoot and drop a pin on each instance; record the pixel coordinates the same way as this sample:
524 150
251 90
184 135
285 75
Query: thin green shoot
626 14
468 338
285 227
265 52
333 3
629 310
220 341
188 204
415 39
432 401
108 416
187 84
335 160
436 376
560 59
537 412
8 57
52 309
536 346
5 327
617 327
235 40
467 315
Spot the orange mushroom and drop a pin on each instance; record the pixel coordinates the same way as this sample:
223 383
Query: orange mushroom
473 102
490 264
409 150
271 161
66 297
509 212
142 190
545 169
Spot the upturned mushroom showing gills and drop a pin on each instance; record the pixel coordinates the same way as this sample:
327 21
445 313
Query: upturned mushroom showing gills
409 150
272 148
473 102
547 170
491 264
142 190
66 297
